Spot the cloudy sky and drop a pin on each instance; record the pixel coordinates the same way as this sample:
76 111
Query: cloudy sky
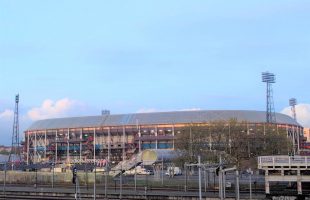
73 58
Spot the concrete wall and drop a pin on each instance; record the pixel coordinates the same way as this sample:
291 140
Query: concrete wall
18 177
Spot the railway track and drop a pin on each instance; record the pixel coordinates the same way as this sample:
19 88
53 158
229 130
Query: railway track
45 192
129 187
69 193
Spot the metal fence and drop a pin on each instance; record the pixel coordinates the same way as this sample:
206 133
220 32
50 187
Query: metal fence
91 179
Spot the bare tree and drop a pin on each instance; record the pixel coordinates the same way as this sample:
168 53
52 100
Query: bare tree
235 141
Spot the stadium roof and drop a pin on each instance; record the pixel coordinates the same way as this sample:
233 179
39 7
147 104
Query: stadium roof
199 116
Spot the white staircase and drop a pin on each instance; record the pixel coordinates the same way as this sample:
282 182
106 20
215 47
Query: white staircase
126 165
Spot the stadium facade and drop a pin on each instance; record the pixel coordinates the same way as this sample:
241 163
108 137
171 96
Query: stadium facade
118 137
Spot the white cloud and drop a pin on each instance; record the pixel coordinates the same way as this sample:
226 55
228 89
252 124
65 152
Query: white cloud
52 109
150 110
190 109
147 110
7 114
302 113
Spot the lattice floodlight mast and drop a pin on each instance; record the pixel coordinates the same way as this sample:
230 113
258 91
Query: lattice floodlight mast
15 148
293 103
269 78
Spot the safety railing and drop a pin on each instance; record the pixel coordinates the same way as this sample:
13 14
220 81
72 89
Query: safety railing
283 161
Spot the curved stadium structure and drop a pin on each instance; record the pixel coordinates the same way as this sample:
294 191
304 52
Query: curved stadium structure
118 137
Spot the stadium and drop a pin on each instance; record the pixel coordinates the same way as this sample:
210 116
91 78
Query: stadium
119 137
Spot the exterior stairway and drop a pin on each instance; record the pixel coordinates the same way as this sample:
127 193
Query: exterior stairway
126 165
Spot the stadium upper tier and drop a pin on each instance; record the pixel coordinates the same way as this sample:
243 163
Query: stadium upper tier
156 118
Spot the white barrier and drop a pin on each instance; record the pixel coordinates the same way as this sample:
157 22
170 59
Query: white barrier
283 161
99 162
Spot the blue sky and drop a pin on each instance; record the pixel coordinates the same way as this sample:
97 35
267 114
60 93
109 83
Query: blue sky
71 58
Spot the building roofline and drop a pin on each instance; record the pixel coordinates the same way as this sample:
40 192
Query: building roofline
168 117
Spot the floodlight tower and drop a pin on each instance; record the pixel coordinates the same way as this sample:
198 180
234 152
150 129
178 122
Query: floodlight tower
293 103
15 148
269 78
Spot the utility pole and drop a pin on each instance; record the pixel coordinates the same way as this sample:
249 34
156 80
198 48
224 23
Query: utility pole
95 163
162 171
217 170
4 180
199 165
36 184
136 175
121 183
106 172
95 182
190 142
53 166
199 174
205 179
237 185
250 172
74 180
185 186
220 179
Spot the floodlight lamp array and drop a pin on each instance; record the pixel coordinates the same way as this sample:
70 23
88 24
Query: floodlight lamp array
293 102
268 77
17 98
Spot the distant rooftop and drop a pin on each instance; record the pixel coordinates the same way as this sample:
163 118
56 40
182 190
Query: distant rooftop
199 116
